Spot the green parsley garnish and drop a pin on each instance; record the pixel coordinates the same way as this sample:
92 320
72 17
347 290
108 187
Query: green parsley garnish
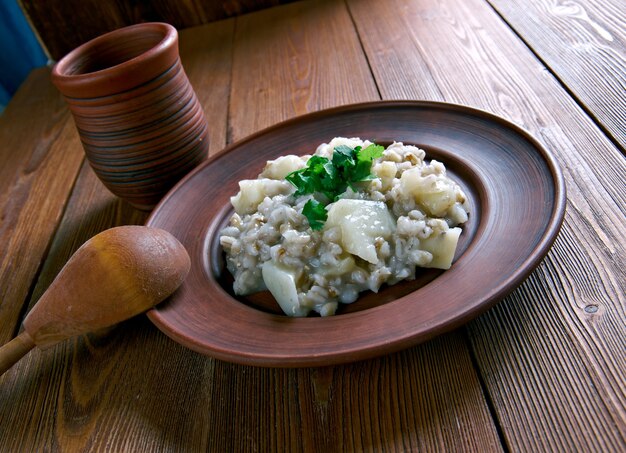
316 213
332 178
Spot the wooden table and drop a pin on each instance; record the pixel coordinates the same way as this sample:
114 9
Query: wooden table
544 370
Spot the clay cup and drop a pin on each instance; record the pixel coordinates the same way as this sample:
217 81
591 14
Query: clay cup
139 120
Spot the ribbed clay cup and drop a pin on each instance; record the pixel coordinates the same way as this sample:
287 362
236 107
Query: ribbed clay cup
139 120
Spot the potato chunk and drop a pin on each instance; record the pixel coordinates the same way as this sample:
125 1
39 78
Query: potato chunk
442 248
282 166
344 266
361 223
281 282
253 191
386 171
434 192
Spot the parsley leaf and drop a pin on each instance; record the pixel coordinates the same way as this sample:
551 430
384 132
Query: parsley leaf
316 213
344 150
370 153
303 183
364 158
332 177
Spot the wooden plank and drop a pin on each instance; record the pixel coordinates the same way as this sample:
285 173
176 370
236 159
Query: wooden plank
89 18
40 158
426 398
111 389
584 45
206 56
295 65
551 354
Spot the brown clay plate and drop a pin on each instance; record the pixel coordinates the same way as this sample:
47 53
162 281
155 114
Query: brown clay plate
517 200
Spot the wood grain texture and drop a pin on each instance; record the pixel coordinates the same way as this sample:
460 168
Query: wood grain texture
584 44
206 53
92 388
134 389
561 335
551 355
39 163
87 380
64 25
301 58
423 399
286 64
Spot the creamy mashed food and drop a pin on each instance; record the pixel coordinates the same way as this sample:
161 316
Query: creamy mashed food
406 215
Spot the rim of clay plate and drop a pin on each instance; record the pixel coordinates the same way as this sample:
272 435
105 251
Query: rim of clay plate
69 76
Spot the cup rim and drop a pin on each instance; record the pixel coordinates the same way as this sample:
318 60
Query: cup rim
122 76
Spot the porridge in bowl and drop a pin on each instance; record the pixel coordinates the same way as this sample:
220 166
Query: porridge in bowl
316 230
